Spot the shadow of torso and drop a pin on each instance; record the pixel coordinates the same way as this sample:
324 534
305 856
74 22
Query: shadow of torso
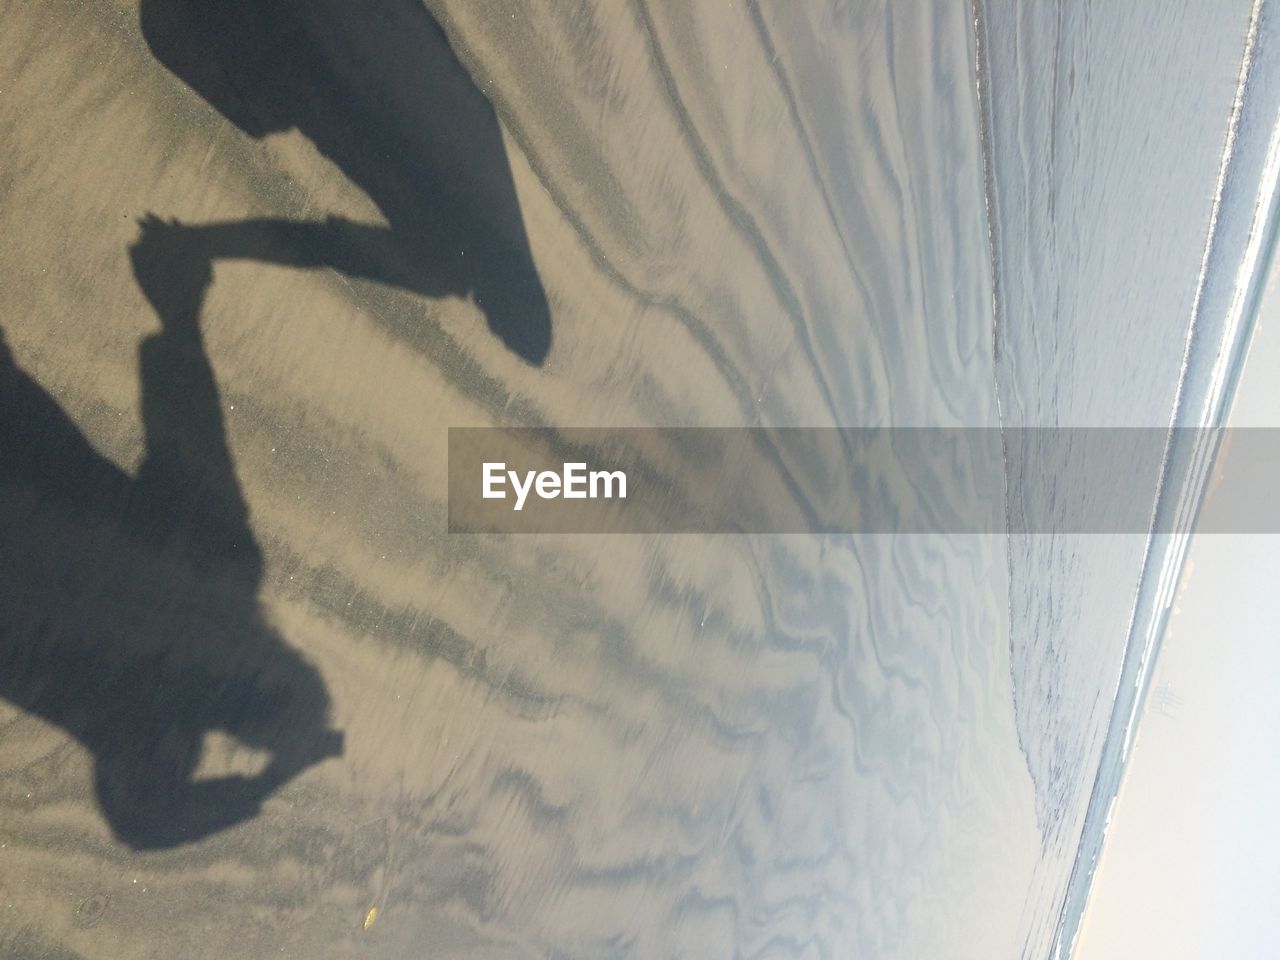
375 85
129 613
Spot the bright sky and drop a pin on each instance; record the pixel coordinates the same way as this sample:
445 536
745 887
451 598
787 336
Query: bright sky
1191 867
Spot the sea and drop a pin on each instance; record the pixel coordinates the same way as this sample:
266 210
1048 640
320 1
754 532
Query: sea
1103 174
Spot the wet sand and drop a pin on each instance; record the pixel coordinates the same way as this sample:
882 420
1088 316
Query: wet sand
567 746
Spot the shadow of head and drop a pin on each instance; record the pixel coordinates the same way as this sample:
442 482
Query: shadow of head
156 783
378 89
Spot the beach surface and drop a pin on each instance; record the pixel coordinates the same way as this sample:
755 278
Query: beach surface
256 699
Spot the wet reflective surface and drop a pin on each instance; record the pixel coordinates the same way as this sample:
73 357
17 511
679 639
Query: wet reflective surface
255 699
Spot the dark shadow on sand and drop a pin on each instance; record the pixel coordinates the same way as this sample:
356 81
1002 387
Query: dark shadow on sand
376 87
129 611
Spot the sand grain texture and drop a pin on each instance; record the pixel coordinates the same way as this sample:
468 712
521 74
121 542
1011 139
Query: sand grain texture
552 746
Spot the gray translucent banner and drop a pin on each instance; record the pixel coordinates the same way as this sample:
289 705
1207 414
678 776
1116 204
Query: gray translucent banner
838 480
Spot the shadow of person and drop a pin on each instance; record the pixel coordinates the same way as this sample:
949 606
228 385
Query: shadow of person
128 605
376 87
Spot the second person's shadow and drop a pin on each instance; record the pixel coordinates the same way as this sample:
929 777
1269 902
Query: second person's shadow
376 87
129 607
